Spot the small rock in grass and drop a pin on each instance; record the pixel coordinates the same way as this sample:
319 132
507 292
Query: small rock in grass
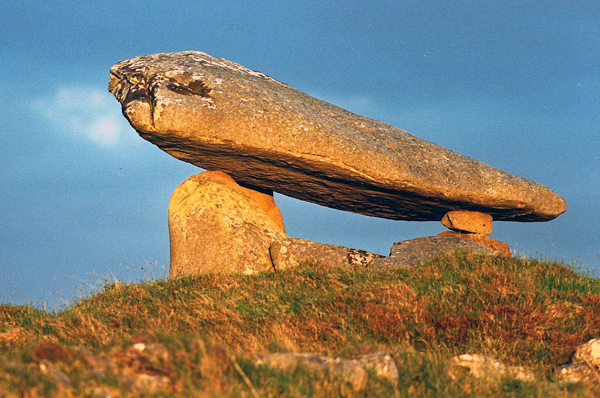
576 372
481 366
349 370
588 353
382 364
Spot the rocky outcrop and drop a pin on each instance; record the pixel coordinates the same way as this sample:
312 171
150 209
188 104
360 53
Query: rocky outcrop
144 368
217 226
150 368
221 116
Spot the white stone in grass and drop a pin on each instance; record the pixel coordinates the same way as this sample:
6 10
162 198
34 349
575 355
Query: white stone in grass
588 353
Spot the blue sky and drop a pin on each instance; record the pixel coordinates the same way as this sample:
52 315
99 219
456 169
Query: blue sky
84 199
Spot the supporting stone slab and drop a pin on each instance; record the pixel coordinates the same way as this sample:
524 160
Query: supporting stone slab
414 251
291 252
482 240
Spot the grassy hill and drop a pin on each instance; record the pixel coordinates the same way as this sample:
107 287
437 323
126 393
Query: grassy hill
202 336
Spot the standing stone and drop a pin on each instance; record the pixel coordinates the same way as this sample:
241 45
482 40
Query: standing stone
219 115
217 226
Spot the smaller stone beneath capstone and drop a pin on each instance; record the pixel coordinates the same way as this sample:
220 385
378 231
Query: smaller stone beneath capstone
468 221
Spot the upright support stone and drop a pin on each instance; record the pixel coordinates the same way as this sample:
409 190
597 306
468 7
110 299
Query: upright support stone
263 198
217 226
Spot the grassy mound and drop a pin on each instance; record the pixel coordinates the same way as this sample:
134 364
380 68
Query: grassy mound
212 328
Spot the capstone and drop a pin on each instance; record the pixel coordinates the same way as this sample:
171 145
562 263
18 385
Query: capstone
219 115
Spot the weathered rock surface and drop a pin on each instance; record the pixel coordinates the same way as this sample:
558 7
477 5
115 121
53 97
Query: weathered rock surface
577 372
468 221
216 226
221 116
484 240
412 252
291 252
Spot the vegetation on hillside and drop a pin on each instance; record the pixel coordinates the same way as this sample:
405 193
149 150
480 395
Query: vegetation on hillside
211 329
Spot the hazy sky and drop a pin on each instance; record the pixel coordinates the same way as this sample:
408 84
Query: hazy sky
513 84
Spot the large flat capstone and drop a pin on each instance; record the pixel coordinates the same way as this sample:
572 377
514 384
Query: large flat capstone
219 115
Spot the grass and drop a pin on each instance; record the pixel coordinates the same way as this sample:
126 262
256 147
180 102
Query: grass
211 329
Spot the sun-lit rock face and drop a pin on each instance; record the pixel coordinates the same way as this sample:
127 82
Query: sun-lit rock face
219 115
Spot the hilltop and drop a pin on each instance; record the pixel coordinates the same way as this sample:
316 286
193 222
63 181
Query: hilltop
205 336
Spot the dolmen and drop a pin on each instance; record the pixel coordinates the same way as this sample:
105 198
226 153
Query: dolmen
255 135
